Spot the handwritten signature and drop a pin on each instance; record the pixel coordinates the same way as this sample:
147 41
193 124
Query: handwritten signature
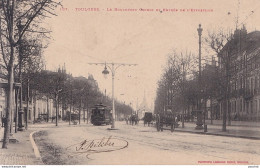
105 144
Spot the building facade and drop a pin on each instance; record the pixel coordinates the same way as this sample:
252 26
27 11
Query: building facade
240 63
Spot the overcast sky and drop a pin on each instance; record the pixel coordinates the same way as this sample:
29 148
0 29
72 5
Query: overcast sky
138 37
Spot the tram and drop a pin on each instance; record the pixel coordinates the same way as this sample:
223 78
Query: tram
100 115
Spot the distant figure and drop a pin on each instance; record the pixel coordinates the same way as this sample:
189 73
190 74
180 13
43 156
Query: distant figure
236 117
2 120
52 118
126 119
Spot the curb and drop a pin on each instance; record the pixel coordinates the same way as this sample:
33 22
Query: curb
35 148
207 133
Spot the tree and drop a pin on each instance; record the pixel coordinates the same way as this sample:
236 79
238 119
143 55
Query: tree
12 12
171 92
217 41
31 51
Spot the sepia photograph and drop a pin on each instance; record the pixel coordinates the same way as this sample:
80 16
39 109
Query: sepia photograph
114 82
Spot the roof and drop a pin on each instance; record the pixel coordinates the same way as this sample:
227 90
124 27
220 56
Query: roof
248 42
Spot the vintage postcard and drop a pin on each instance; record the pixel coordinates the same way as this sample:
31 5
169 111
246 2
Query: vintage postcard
114 82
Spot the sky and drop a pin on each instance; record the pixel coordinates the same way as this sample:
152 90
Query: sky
139 37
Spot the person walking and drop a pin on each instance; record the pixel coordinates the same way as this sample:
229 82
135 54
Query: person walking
2 120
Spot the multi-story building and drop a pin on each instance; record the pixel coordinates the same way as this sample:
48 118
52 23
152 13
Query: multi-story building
239 61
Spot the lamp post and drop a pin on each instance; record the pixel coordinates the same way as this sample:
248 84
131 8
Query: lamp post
113 67
199 33
106 72
199 113
20 113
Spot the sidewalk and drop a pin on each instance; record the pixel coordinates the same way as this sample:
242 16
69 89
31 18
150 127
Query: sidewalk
20 153
232 131
237 123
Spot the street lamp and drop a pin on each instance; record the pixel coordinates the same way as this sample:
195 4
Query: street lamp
20 27
199 113
199 33
105 72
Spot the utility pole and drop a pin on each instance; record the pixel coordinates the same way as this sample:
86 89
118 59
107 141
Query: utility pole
113 67
183 80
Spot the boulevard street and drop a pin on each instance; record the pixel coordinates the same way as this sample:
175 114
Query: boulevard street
88 144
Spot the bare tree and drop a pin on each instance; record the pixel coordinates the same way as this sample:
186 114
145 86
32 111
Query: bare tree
171 87
13 12
217 41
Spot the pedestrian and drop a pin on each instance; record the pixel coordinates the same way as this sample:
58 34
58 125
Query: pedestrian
2 120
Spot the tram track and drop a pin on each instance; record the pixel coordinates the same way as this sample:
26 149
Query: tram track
167 144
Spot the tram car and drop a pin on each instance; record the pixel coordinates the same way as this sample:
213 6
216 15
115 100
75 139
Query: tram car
100 115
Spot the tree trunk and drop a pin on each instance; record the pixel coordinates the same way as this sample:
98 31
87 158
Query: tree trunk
229 114
84 115
57 109
9 98
80 110
34 105
48 110
87 115
16 109
211 112
27 103
70 113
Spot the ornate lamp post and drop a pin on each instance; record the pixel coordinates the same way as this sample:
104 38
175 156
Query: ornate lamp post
106 72
199 112
20 113
199 33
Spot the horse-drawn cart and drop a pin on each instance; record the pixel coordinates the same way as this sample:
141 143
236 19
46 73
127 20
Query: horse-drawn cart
148 118
166 121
